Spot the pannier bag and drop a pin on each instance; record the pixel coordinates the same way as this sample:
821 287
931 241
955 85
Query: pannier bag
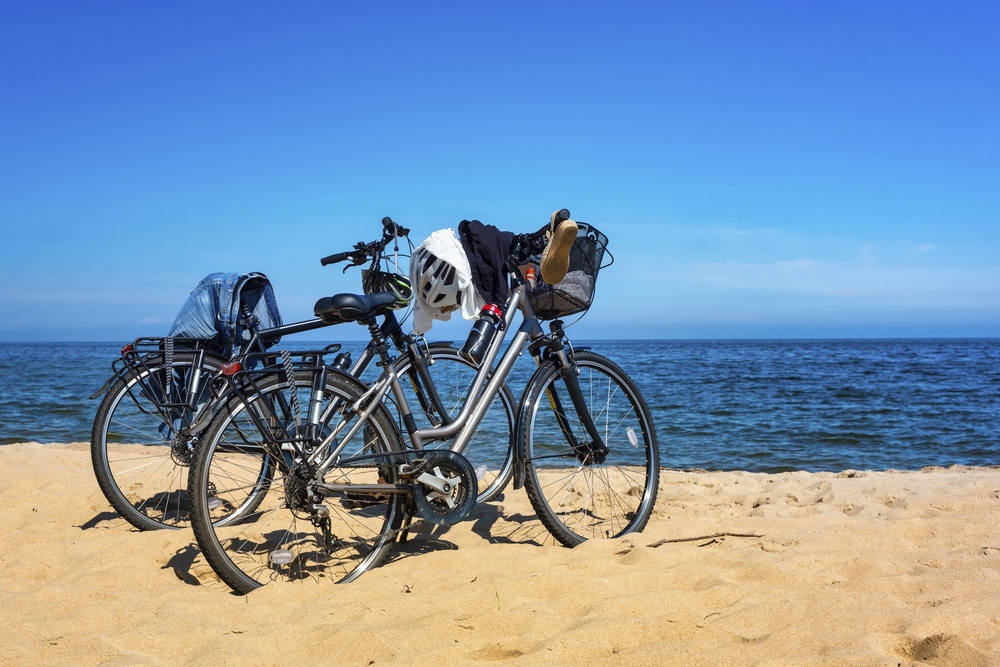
574 293
212 311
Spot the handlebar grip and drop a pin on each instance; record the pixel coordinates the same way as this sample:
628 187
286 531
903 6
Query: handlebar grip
393 228
334 258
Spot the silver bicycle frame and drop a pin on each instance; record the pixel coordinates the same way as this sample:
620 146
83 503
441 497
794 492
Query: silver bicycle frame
477 401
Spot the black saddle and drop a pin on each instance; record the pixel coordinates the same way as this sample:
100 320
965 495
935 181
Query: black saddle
352 307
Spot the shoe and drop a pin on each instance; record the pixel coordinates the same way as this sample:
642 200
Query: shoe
555 257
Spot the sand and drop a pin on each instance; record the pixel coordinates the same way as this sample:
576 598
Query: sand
857 568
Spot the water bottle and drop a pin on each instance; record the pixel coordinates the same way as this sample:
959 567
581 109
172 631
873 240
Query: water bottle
482 334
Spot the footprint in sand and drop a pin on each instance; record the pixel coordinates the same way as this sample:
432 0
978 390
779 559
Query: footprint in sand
776 546
495 651
942 650
851 509
893 501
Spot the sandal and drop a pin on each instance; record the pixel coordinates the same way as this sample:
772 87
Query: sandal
555 257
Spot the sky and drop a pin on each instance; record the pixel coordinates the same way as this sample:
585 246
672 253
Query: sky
762 169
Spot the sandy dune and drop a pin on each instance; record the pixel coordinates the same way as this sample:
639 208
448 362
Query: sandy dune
865 568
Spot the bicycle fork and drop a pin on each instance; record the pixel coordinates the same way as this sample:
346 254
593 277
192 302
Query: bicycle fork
594 451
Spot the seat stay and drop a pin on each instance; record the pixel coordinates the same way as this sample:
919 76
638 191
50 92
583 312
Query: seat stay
373 397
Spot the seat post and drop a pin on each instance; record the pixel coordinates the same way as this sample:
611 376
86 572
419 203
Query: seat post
379 341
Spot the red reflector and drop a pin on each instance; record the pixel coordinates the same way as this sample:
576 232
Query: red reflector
231 369
126 349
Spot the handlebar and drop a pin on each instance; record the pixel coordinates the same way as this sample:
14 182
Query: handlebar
334 258
393 228
364 251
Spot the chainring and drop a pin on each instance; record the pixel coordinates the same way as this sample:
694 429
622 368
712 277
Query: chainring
457 502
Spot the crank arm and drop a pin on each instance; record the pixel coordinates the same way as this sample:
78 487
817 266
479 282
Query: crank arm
439 484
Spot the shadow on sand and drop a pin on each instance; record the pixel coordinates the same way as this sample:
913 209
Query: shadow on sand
100 518
181 563
488 522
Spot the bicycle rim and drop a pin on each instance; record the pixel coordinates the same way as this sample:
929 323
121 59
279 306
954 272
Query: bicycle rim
279 540
580 493
139 451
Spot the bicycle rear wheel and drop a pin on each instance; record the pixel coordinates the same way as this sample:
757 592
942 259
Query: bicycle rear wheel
292 536
579 491
139 445
489 450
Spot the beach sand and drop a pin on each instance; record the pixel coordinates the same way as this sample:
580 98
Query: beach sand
857 568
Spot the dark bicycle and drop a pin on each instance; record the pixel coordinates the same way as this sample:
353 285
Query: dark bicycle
159 397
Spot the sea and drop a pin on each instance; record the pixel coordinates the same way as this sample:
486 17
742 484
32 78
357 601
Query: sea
755 405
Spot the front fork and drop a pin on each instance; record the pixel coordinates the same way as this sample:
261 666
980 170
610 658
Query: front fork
553 348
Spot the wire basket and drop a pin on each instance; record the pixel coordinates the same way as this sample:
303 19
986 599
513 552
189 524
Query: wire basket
575 292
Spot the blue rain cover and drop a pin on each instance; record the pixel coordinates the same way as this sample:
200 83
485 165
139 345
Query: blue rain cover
212 311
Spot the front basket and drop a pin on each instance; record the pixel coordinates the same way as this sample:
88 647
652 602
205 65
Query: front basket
575 292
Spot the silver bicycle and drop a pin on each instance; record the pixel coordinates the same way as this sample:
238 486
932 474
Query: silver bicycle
305 473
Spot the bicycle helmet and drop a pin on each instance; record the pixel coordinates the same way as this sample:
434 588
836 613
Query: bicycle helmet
437 283
383 281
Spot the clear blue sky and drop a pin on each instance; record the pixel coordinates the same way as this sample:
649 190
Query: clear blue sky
763 169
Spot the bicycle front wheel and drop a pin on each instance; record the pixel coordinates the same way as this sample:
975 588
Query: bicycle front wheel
579 490
140 446
293 534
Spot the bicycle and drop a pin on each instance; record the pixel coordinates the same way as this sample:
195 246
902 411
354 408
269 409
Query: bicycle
158 400
348 486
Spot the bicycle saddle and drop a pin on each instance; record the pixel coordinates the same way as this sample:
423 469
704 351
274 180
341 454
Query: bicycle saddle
352 307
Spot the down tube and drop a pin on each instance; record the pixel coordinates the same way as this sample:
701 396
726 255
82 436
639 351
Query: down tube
529 329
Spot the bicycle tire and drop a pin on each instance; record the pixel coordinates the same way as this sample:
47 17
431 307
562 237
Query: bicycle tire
580 496
241 547
490 450
140 463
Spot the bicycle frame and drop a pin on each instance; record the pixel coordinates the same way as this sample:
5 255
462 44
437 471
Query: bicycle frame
478 399
390 329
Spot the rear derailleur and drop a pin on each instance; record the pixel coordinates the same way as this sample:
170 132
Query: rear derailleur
303 500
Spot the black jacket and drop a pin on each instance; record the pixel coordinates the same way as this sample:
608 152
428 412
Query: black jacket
487 248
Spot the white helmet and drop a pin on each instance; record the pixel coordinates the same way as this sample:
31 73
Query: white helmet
436 281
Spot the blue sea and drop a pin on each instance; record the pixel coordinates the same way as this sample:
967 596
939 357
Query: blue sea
758 405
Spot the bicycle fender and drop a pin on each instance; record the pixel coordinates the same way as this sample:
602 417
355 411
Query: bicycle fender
212 409
205 418
107 385
518 478
121 373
